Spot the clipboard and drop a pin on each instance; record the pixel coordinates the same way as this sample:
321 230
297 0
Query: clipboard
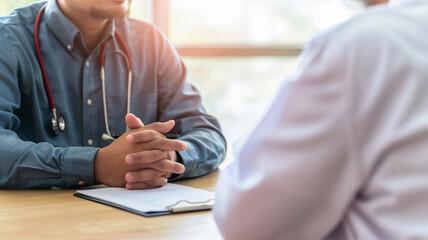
169 199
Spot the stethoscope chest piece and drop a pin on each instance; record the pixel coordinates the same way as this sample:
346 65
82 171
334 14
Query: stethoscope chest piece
58 124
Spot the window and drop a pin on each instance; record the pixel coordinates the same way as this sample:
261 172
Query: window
251 22
237 52
7 6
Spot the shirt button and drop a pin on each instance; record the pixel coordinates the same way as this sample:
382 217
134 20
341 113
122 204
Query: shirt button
89 102
90 142
69 46
88 63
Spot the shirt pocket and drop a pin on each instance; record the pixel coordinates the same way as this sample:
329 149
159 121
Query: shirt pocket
143 106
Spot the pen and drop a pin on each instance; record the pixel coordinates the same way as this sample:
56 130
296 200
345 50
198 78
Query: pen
167 135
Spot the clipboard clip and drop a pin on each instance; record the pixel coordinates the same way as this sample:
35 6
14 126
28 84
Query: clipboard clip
190 206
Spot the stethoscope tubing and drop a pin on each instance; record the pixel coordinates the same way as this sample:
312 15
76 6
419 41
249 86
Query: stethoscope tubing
58 123
40 59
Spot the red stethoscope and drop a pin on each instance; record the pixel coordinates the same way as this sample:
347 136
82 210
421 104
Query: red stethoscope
58 122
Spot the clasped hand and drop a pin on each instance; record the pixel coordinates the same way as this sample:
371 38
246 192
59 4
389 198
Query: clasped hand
141 158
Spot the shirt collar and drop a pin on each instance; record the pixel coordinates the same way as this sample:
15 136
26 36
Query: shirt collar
64 29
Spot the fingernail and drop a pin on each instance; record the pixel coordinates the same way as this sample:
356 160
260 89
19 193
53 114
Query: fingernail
141 121
129 178
130 138
181 169
129 159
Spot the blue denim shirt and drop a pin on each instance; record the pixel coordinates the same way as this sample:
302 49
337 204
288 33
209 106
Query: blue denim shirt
32 157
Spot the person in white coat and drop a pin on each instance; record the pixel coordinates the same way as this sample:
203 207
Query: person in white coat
343 151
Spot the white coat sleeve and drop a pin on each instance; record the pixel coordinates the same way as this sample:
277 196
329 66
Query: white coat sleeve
296 174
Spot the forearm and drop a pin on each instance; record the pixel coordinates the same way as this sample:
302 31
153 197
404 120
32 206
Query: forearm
31 165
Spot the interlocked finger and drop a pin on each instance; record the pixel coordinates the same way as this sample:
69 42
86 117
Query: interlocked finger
167 166
144 136
143 175
150 184
166 145
137 160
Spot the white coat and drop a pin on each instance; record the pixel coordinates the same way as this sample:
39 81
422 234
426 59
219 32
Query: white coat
343 151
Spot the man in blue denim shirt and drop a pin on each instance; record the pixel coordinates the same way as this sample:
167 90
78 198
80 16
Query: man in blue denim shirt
72 33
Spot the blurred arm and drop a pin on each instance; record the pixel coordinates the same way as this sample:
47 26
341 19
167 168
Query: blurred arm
295 176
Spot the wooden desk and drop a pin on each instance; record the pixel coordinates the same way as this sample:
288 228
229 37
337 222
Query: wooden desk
48 214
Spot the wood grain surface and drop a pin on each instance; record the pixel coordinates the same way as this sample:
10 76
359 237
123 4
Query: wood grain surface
57 214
